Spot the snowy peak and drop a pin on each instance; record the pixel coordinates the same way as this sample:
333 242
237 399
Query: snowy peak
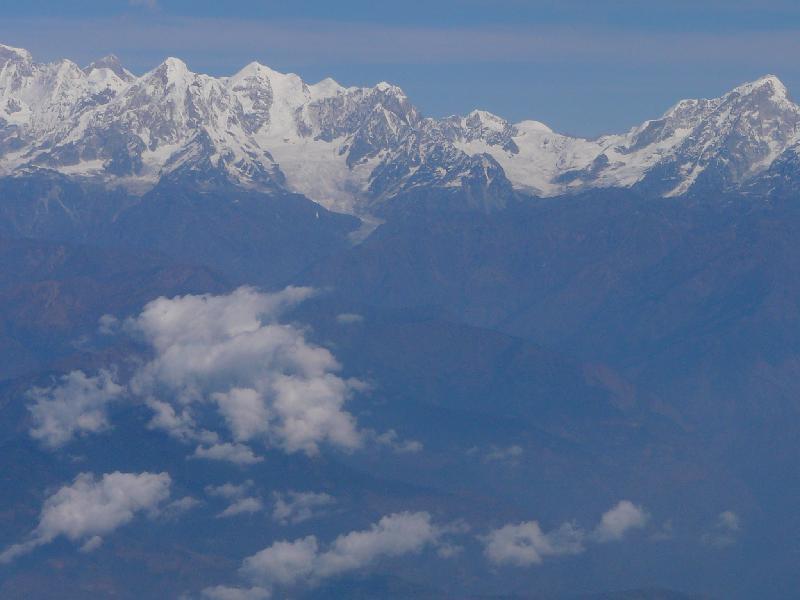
485 121
253 89
697 144
9 53
253 70
112 64
391 89
257 72
171 78
326 88
768 86
768 93
351 148
737 137
171 71
173 65
480 124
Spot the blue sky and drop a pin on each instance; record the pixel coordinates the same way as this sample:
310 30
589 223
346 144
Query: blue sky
582 66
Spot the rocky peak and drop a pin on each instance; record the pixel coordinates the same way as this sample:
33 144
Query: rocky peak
113 64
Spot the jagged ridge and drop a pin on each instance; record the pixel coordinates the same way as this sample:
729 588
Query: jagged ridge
350 149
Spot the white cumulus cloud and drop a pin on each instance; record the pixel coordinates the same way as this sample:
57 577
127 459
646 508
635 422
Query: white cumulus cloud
619 520
245 411
305 560
224 375
525 544
238 454
267 381
77 405
177 422
92 507
393 535
247 505
283 562
240 497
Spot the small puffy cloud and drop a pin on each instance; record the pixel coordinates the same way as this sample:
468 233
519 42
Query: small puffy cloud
243 506
289 563
266 380
392 440
164 321
296 507
725 530
238 454
393 535
178 423
525 544
90 508
179 506
240 497
619 520
283 562
349 318
76 406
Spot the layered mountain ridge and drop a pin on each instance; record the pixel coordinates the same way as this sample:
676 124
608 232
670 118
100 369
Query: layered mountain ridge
351 149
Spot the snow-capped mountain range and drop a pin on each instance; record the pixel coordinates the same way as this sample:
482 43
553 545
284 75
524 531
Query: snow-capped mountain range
349 148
